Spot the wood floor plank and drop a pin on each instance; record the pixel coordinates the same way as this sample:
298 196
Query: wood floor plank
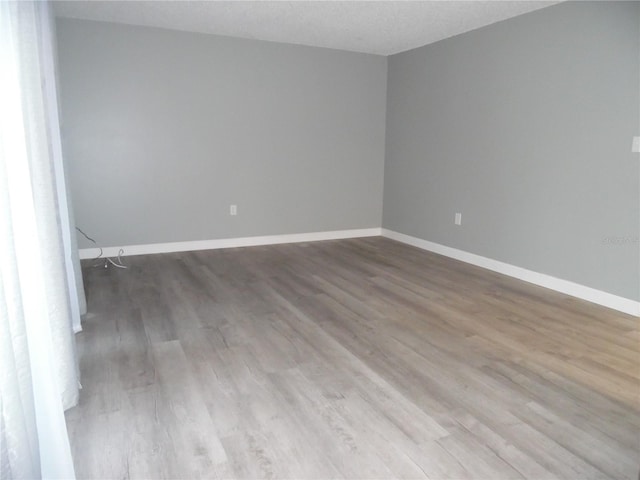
361 358
477 458
183 414
582 440
516 458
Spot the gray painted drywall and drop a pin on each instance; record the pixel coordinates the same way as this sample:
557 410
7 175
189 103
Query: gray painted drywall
525 127
164 130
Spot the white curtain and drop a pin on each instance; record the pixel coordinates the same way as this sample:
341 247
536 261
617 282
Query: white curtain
38 301
67 220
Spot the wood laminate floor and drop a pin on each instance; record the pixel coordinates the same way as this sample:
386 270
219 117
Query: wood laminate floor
358 358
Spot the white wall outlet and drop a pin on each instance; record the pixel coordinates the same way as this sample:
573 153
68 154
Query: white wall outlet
233 210
458 219
635 145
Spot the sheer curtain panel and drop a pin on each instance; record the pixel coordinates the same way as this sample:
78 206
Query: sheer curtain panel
38 367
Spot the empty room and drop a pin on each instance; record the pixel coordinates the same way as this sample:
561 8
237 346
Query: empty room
317 240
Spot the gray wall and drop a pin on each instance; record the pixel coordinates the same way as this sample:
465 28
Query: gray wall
163 130
525 127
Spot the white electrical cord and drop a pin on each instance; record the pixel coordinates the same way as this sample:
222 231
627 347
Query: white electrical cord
117 263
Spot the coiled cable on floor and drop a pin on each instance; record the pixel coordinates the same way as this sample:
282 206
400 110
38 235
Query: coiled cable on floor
107 260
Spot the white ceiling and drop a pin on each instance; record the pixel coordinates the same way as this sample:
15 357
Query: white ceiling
380 27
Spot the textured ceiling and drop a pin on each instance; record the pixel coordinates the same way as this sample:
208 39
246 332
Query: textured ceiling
383 27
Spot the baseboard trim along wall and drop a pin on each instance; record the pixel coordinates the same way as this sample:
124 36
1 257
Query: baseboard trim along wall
599 297
86 253
589 294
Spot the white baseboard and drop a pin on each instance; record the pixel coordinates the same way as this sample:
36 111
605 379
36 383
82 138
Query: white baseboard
599 297
593 295
86 253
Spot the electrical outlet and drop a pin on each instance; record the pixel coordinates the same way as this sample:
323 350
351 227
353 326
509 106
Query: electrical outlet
635 145
458 219
233 210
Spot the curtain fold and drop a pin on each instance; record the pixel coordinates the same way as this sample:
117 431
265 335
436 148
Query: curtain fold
67 221
46 203
38 367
